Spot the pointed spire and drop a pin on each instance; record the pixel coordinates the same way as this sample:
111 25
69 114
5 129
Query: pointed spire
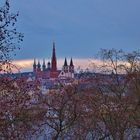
53 44
54 55
71 62
34 63
38 65
34 66
65 62
53 61
44 65
71 68
65 66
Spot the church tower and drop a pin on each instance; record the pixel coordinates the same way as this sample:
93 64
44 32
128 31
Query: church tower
65 66
54 63
38 67
34 66
71 66
49 66
71 69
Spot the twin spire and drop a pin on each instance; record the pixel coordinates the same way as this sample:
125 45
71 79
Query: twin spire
68 68
71 62
66 64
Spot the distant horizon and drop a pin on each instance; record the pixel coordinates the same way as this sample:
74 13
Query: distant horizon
26 65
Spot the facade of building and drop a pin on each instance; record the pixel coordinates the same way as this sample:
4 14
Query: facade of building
50 71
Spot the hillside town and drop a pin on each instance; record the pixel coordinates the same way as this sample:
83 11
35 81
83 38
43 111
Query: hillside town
54 102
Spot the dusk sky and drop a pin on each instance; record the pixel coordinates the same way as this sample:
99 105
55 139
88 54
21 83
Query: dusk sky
78 27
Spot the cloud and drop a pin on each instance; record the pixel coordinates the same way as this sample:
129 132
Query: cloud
23 65
26 64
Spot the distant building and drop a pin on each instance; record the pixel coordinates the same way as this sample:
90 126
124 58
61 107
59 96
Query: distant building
46 75
50 70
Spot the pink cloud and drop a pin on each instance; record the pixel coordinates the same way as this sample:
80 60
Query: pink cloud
26 64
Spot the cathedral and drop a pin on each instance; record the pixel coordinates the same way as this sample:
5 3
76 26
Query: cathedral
50 71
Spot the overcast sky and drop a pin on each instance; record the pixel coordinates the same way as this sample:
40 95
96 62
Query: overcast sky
79 27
